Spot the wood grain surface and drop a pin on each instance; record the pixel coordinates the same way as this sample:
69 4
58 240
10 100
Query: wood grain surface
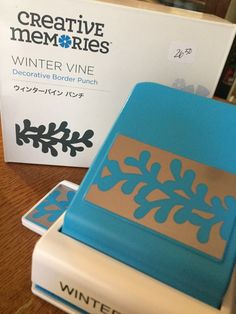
21 186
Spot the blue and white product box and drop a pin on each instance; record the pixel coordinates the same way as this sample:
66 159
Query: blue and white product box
67 69
154 219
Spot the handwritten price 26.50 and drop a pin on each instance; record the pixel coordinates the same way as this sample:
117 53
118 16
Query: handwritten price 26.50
180 53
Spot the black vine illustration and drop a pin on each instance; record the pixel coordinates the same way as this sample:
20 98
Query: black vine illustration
49 137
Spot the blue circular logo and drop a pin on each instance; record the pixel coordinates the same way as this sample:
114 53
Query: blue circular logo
65 41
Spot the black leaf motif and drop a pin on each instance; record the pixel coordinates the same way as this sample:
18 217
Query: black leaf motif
49 137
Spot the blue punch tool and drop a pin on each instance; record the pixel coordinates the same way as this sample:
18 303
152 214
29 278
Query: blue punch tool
155 215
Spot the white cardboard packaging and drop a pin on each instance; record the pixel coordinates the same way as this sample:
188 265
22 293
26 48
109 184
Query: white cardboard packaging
68 67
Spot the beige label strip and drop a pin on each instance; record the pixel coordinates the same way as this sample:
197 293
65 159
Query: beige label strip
177 197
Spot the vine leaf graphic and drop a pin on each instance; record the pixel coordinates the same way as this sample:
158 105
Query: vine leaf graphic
192 205
43 209
51 136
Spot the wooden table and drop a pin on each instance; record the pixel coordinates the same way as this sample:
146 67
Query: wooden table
21 186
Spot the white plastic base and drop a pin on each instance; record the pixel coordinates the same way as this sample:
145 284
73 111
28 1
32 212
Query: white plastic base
54 300
85 278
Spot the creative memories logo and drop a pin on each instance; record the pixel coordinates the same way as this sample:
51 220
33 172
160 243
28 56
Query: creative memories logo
78 33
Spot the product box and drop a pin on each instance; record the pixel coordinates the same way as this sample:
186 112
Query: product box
67 69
